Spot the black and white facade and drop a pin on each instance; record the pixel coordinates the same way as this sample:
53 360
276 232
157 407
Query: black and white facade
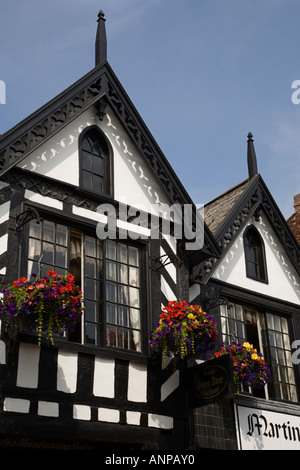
253 290
60 169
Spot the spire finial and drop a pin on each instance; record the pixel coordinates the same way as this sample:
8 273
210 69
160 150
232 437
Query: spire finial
101 42
251 157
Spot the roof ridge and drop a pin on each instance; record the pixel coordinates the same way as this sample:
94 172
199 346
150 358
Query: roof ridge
227 192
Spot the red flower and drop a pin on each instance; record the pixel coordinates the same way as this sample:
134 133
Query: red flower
51 273
21 280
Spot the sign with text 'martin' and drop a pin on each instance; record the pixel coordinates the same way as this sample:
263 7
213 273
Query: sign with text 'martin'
211 381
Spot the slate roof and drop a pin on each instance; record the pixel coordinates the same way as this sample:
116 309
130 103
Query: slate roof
217 210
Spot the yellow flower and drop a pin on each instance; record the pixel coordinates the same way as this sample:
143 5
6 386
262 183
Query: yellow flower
191 316
248 346
255 357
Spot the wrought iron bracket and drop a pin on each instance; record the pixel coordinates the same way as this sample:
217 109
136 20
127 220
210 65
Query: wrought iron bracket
159 262
212 299
25 217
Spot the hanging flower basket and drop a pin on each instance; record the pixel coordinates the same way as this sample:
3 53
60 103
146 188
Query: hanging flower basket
249 367
51 304
184 331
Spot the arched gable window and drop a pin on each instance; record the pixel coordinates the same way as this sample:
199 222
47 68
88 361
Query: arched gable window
95 164
256 267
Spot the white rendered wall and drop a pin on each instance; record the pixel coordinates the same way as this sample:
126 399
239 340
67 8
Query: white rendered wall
134 182
28 365
67 371
137 382
104 377
283 281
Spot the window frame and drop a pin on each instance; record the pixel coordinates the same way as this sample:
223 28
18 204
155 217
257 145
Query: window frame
277 381
264 343
119 304
107 150
260 256
90 230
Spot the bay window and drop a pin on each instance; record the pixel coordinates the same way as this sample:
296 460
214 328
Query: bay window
107 271
269 334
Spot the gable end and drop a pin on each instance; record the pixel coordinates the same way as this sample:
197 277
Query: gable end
255 198
17 143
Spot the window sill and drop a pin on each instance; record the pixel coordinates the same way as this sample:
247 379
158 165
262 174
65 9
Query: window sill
263 281
116 353
99 197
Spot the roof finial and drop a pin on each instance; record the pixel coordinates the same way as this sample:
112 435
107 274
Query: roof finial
101 42
251 157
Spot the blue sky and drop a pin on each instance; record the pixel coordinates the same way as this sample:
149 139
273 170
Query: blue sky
201 73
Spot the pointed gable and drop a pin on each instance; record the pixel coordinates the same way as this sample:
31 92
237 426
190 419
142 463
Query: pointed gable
282 280
39 143
227 217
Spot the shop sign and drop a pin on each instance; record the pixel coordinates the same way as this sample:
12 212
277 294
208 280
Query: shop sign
267 430
211 381
27 443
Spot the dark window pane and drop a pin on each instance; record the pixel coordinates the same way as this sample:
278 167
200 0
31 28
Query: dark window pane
61 256
90 333
122 273
87 180
123 294
111 336
133 255
96 150
90 246
123 316
97 183
61 235
91 267
91 311
111 313
98 165
111 249
35 229
111 292
48 253
123 338
85 145
92 289
33 268
49 231
122 253
111 271
87 161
